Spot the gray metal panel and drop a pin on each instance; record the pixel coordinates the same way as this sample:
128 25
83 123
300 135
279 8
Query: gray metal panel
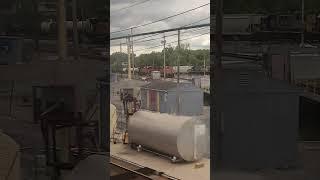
259 121
171 102
305 66
191 102
163 98
143 99
260 131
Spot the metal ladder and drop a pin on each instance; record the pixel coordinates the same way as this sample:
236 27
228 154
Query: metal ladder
119 129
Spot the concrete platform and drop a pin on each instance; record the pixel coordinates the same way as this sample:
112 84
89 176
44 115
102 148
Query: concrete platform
183 170
93 167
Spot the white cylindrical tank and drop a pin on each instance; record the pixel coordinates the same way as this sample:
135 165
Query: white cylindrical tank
178 136
9 158
155 74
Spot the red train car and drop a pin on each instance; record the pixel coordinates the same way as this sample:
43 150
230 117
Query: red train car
169 71
146 71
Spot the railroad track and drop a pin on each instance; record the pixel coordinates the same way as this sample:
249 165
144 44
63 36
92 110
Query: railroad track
123 169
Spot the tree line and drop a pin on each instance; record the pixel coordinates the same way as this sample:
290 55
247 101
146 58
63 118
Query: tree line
188 57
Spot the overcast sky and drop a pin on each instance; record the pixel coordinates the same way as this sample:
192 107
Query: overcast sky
157 9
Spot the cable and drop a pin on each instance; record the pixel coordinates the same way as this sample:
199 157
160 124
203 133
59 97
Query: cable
169 35
146 24
196 21
172 42
181 26
135 4
154 38
187 31
147 37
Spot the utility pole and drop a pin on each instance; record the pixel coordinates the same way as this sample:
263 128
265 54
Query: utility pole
302 21
164 56
62 34
132 54
178 74
204 65
129 62
75 30
217 70
120 47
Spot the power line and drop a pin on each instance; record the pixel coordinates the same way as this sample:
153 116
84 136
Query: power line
154 39
137 40
161 31
146 24
147 37
171 42
176 34
197 21
190 31
130 6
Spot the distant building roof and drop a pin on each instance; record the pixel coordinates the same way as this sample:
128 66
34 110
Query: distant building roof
163 85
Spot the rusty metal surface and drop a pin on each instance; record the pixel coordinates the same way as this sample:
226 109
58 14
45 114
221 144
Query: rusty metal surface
124 169
180 170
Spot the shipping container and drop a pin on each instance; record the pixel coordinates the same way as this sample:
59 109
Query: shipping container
160 96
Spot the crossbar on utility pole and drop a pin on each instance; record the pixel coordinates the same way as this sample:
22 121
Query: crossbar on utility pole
129 62
163 31
132 55
204 65
164 56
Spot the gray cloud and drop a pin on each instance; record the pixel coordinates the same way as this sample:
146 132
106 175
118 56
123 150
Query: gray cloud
157 9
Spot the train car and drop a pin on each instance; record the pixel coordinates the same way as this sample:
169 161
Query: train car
182 69
169 71
240 23
290 22
146 71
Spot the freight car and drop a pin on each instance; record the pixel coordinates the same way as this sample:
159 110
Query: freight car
290 22
146 71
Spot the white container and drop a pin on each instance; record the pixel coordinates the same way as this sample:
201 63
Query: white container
178 136
155 74
9 158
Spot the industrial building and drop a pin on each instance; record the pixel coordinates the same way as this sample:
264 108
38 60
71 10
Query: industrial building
259 119
300 67
160 96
